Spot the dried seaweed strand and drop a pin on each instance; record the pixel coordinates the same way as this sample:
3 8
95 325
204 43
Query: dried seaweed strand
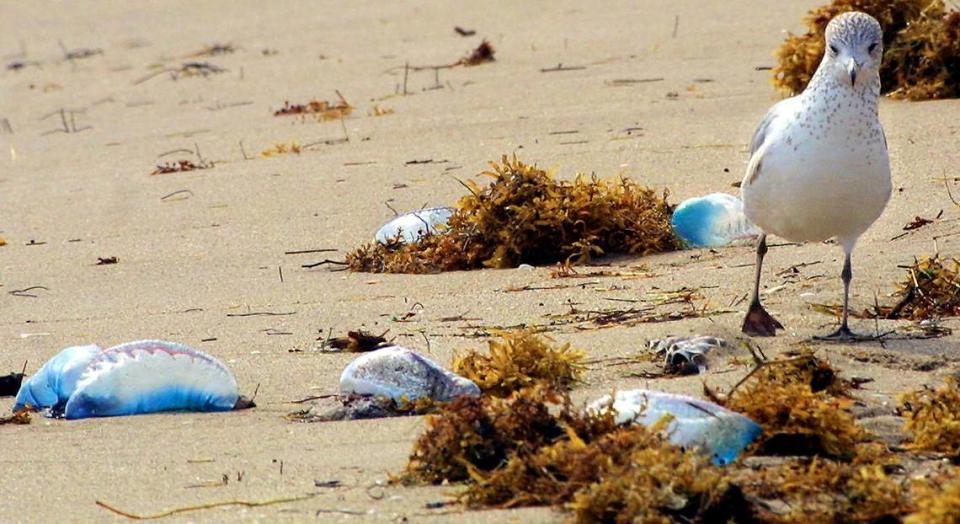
199 507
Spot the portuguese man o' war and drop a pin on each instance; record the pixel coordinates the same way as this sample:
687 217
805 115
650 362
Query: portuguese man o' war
401 374
411 227
714 220
147 376
721 433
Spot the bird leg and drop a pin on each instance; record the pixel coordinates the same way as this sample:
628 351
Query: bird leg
758 322
843 333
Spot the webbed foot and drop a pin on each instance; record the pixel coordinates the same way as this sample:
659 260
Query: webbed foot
759 323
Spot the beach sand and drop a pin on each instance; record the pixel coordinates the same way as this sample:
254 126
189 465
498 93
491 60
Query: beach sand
665 92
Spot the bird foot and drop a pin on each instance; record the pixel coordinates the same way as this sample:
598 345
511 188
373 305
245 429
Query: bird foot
843 334
759 323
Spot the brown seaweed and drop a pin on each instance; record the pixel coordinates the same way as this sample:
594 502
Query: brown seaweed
921 39
526 216
518 360
319 109
933 418
802 407
931 289
937 501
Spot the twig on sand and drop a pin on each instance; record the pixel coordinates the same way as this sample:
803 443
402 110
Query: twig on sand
561 67
25 291
305 251
313 397
199 507
262 313
324 261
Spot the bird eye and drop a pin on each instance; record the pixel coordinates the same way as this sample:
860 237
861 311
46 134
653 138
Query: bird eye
872 47
833 49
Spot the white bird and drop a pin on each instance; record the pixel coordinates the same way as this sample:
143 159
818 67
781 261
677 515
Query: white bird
819 167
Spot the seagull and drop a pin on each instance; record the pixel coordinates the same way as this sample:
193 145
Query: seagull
818 165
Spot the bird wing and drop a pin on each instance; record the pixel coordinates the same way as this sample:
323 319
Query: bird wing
761 132
759 139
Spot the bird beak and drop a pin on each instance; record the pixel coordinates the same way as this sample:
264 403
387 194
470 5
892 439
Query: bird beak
852 68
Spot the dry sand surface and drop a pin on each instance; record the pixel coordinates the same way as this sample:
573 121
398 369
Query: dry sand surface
189 262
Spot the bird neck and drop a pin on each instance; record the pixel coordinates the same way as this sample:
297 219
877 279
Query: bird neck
824 84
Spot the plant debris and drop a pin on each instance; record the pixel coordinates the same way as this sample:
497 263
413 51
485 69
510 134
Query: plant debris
213 50
651 310
521 359
526 217
533 448
937 501
921 39
319 109
802 406
922 63
479 434
931 290
180 166
358 341
482 54
933 418
378 110
917 223
818 490
163 514
282 149
19 417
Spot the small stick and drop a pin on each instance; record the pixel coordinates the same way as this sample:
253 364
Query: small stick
406 72
179 192
324 261
280 270
172 151
315 397
343 125
305 251
560 67
262 313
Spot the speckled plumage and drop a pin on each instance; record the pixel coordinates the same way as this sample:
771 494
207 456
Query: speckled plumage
819 167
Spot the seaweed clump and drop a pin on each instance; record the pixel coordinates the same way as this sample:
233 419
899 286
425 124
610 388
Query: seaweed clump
801 405
532 448
518 360
479 434
922 42
817 490
930 290
937 501
924 61
933 418
525 216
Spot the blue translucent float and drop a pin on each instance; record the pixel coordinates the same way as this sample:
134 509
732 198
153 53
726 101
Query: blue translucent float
695 424
147 376
411 227
713 220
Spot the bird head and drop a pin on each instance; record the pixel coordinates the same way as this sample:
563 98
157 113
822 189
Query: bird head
854 49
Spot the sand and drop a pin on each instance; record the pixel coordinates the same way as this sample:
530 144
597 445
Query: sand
666 92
